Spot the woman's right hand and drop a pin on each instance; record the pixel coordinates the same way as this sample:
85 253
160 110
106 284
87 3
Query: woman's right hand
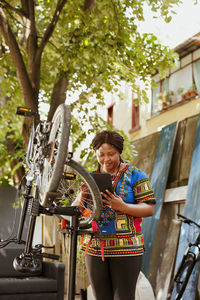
84 190
82 196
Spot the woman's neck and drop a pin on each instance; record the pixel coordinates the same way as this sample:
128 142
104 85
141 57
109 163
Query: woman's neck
112 172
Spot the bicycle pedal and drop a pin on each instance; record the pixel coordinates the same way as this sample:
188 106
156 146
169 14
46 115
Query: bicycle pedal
51 196
69 155
69 176
24 111
48 247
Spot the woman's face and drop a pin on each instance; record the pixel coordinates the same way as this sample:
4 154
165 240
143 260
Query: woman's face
108 157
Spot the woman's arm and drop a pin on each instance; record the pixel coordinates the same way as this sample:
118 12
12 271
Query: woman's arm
137 210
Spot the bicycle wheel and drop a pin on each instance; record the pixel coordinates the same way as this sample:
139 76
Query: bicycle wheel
54 163
70 187
182 276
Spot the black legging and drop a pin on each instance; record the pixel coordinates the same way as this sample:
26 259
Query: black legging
115 278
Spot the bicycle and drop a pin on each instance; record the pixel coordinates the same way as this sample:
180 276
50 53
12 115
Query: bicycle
187 264
52 177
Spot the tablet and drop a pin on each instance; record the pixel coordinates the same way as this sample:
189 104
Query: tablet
103 181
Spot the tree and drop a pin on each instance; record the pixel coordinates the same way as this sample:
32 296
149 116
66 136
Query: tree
50 47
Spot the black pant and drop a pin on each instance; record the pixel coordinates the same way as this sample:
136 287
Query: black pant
115 278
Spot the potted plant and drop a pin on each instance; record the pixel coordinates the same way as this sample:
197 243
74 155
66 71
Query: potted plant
162 99
181 93
193 90
180 90
170 97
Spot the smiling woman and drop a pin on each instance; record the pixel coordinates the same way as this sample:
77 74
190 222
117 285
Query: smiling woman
119 244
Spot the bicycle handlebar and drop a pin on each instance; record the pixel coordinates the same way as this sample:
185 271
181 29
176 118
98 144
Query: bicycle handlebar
188 221
67 211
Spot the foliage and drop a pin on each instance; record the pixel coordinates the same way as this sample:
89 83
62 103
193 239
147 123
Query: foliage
48 48
10 127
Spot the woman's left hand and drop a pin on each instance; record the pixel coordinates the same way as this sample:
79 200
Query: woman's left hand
113 200
138 210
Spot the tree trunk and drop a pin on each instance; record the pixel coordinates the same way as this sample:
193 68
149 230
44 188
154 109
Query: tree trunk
58 96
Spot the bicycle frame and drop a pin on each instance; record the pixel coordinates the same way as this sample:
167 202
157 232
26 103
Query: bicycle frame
74 212
193 250
49 142
36 209
30 177
187 264
28 185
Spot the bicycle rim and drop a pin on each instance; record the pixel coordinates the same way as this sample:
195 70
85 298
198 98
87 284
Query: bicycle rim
54 164
183 276
69 189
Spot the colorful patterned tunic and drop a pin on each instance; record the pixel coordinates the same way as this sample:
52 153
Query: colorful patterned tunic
133 186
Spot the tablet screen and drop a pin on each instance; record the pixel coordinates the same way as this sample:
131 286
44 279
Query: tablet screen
103 181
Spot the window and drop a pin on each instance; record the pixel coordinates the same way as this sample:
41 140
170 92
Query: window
182 83
110 114
135 115
155 105
197 74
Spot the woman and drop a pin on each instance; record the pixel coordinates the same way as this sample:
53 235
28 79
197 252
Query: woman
115 277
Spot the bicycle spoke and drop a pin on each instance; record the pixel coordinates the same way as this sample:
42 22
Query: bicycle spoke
70 187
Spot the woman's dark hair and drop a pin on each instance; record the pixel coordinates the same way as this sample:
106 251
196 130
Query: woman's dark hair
109 137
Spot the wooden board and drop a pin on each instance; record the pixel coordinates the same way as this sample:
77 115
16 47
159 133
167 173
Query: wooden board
168 256
177 194
165 244
146 148
158 180
192 211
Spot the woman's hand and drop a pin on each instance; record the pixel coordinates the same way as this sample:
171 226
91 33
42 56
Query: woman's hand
84 190
113 200
81 197
138 210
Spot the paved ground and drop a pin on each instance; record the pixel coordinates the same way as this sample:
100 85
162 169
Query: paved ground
89 295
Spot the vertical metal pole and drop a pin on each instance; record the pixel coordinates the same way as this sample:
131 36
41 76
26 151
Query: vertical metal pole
23 213
33 210
72 258
30 234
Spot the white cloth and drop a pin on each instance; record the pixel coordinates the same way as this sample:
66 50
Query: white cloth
144 290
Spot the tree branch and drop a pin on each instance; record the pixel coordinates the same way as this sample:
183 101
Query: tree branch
20 67
89 4
58 95
52 25
5 4
34 60
115 10
32 38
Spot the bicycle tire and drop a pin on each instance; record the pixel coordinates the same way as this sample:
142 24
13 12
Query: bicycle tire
54 164
182 276
69 189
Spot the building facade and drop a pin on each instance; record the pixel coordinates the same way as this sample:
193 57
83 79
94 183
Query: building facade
175 98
